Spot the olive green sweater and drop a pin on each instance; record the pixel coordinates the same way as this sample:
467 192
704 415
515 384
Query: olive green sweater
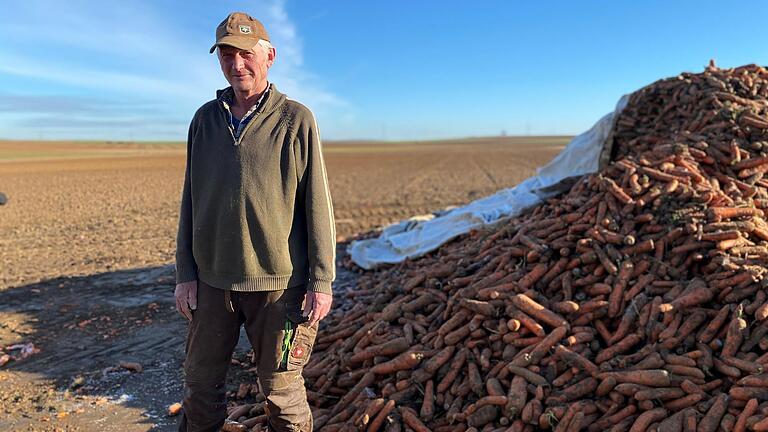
256 213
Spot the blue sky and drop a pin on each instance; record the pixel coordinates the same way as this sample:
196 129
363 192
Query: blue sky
137 70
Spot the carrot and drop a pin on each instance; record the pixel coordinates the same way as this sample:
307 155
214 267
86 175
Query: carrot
528 323
542 348
673 423
645 419
381 416
528 375
696 293
750 163
684 402
499 400
747 393
605 386
734 337
687 371
619 347
568 416
455 368
712 418
365 381
653 378
762 312
576 360
533 276
616 299
642 282
662 393
411 419
428 404
690 421
513 325
531 411
605 261
714 325
748 411
745 365
174 409
525 304
452 323
479 307
629 317
371 410
429 367
474 377
754 380
394 346
617 191
679 360
720 213
672 327
405 361
457 335
761 426
574 391
565 307
483 416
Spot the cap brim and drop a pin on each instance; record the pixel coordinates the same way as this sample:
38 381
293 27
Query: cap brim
239 42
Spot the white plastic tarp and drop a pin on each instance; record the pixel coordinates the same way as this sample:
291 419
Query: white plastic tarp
421 234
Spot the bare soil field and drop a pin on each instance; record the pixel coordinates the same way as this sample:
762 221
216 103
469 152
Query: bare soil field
86 242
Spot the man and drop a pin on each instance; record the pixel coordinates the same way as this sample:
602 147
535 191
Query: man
256 236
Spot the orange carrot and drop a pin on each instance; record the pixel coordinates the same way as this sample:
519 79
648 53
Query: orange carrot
527 305
381 416
394 346
411 419
747 412
405 361
696 293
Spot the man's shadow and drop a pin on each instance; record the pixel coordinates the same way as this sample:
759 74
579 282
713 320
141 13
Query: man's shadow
85 327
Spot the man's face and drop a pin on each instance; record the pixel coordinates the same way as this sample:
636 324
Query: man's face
245 70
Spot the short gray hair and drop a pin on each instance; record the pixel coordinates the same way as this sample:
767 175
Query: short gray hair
265 45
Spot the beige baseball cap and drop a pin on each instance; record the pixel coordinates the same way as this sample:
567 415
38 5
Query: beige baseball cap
240 30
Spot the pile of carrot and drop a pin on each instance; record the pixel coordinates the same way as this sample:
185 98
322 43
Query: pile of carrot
635 301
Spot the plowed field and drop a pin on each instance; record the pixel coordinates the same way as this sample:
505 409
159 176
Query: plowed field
88 234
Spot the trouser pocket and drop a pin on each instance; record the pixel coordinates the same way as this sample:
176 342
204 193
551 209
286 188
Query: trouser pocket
298 340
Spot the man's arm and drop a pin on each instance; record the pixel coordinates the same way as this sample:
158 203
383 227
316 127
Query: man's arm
321 230
186 269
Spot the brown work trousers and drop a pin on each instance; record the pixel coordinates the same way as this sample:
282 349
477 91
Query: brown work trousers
281 350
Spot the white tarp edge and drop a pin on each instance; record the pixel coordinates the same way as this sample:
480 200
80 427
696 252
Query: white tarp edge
421 234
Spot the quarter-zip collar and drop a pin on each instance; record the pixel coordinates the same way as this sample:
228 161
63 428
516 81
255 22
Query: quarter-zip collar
268 101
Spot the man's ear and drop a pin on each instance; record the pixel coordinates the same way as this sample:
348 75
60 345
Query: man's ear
271 57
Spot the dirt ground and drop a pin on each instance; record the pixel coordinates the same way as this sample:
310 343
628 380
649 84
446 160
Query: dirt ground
86 245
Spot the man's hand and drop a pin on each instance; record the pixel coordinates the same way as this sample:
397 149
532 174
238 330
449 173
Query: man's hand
186 298
316 306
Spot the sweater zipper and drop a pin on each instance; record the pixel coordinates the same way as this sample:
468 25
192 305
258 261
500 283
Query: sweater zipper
237 141
229 123
248 126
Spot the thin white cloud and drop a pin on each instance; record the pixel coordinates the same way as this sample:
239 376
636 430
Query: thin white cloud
133 50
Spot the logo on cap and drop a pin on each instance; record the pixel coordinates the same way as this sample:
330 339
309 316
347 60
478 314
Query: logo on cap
244 29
